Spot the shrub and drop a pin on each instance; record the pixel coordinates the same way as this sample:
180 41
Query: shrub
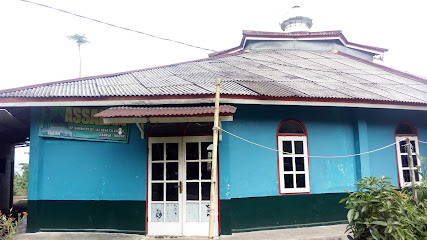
8 225
378 211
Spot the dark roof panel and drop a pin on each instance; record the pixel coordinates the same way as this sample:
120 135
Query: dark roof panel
271 73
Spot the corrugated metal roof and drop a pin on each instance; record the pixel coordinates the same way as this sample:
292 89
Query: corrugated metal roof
271 73
138 112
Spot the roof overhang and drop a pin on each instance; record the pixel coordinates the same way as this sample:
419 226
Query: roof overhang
165 114
14 125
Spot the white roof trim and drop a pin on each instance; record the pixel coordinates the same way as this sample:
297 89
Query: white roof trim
211 101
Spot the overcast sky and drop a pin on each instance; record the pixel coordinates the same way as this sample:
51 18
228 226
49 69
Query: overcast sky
34 47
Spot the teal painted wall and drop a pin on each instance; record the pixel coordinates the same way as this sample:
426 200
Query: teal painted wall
250 171
91 171
381 127
84 170
253 170
63 169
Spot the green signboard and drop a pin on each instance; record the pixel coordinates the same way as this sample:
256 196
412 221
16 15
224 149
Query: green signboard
80 123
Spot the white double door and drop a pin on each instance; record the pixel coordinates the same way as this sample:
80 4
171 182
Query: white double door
179 172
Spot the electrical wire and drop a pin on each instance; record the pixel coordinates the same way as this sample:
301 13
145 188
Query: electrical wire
203 48
252 59
117 26
312 156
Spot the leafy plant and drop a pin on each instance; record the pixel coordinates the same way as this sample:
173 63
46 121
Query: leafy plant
20 182
9 225
379 211
422 187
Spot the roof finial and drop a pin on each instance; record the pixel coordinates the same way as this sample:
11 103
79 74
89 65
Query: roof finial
296 20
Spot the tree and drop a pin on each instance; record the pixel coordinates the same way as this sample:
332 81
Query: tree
80 39
25 168
21 181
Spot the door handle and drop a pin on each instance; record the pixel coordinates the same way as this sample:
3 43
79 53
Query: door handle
180 186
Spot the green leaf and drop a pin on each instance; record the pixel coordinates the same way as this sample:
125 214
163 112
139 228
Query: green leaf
350 215
364 208
356 215
358 201
375 233
380 223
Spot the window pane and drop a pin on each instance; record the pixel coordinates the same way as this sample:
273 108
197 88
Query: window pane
300 180
206 150
171 191
417 176
193 191
192 151
404 128
192 170
287 164
299 163
171 151
206 170
405 162
287 146
289 181
413 145
206 190
157 151
192 212
157 212
291 127
205 212
414 159
157 191
172 212
172 171
406 176
299 147
157 171
402 146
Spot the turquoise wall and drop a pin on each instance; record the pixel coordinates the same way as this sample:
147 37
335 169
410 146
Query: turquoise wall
84 170
63 169
254 169
250 171
381 127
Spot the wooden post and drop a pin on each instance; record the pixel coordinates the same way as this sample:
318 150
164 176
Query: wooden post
411 171
214 163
